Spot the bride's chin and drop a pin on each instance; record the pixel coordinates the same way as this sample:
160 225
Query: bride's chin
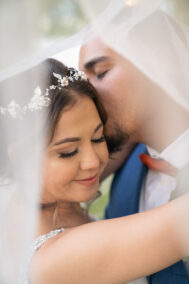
89 197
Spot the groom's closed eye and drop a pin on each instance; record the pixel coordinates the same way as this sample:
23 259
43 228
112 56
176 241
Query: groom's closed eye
98 66
101 75
101 69
93 62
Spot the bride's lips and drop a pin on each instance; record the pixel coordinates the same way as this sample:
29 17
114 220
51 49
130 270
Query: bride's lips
88 181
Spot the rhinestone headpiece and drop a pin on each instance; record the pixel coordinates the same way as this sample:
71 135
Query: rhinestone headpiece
39 100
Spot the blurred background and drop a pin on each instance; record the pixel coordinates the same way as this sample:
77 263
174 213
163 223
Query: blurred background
62 18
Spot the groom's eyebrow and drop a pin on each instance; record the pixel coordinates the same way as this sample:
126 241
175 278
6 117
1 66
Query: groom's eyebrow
90 64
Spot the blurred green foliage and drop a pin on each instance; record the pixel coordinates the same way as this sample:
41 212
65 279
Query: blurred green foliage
97 208
61 17
179 8
66 17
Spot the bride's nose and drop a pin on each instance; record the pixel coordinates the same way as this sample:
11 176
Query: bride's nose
90 159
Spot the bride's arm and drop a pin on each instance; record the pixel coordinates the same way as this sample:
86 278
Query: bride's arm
118 250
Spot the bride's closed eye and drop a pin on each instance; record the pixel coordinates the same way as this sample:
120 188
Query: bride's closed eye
99 140
73 153
68 154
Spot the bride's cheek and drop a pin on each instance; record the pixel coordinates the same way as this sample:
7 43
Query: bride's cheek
104 155
50 171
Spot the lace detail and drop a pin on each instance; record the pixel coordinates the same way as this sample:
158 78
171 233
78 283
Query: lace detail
35 246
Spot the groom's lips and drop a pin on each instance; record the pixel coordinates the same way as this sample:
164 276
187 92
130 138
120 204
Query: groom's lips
88 181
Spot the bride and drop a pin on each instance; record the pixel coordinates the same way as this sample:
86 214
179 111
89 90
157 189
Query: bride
69 247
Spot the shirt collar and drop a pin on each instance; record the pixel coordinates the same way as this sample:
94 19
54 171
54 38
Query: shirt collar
177 153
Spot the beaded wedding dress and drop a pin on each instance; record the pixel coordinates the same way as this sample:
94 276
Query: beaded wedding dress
36 245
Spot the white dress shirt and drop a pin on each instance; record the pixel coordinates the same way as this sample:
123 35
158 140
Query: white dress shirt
158 187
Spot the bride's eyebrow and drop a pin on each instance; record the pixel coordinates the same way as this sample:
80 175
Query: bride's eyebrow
67 140
98 127
91 64
75 139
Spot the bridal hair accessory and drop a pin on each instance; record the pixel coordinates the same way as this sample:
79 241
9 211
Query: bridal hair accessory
39 100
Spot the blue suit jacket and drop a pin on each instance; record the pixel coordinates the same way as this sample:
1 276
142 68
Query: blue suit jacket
124 200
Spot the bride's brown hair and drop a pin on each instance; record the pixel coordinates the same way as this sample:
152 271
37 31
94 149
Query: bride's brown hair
60 100
67 96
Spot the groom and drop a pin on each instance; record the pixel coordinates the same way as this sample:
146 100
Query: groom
139 112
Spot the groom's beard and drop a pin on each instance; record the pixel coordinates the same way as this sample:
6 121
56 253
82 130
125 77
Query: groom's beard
116 139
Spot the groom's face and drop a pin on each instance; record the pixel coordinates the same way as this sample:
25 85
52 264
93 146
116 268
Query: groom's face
115 79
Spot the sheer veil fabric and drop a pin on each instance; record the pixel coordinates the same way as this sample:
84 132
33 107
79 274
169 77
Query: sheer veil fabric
143 31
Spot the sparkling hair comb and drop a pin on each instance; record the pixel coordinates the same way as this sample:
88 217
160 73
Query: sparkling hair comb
39 100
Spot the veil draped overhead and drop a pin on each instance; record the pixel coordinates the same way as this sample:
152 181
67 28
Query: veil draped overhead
145 32
153 40
20 153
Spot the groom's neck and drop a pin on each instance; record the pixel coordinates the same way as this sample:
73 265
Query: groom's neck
165 126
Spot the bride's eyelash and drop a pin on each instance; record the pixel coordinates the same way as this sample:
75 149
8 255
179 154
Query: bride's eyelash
100 140
69 154
73 153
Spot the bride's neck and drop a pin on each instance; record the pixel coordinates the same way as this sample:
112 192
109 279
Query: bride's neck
61 215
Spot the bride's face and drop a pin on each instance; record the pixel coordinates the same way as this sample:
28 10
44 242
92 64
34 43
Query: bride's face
76 156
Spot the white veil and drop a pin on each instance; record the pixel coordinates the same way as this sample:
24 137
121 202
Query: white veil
141 30
20 154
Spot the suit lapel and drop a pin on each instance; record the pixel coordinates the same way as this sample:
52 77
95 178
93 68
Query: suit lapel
126 186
